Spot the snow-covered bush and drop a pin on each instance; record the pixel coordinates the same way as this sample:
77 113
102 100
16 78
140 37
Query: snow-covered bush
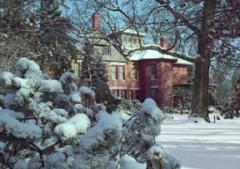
68 82
141 130
101 144
6 78
51 124
139 138
126 108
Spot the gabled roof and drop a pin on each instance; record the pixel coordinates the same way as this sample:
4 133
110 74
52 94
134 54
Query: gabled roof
154 54
97 40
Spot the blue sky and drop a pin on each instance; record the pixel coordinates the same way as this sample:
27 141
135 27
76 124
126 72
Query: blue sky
88 13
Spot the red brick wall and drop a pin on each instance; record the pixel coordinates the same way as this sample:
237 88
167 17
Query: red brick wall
164 81
129 83
168 75
143 82
180 74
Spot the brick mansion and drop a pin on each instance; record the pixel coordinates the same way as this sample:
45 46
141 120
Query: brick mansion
147 73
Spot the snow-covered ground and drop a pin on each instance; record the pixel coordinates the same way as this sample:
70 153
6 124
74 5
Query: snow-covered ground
202 145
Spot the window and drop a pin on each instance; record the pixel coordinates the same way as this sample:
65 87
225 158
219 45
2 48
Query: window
115 92
75 69
107 50
114 72
154 94
131 41
135 41
118 72
154 71
98 50
135 73
137 94
102 50
121 72
123 94
130 94
125 39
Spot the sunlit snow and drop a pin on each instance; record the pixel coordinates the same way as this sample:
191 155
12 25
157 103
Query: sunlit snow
202 145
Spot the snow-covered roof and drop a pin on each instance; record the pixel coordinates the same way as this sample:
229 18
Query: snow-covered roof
183 62
150 54
154 54
131 31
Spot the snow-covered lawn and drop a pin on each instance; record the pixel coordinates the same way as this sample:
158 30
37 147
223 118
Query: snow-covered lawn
202 145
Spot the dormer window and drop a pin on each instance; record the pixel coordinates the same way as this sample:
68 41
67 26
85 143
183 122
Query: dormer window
107 50
102 50
98 49
130 41
125 39
135 41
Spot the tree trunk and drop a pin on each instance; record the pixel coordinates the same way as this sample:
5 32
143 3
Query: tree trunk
200 89
201 79
205 44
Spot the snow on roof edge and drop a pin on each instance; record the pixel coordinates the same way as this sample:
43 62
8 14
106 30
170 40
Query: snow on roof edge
150 54
154 54
129 31
183 62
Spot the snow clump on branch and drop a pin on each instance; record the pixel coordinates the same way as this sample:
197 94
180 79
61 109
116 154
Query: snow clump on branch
48 124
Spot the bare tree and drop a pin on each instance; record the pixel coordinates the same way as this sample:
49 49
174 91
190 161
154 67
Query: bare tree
201 28
216 21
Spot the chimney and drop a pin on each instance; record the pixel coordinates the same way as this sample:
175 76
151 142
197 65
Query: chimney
164 42
95 21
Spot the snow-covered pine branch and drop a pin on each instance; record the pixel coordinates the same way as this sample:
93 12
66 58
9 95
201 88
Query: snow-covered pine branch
51 124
